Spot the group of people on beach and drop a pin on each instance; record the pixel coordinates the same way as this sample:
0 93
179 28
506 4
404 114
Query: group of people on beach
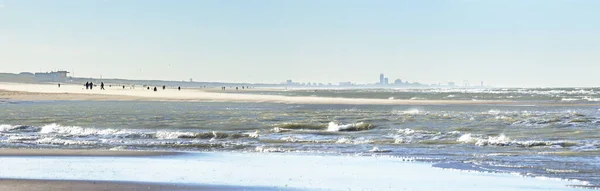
163 87
90 85
236 88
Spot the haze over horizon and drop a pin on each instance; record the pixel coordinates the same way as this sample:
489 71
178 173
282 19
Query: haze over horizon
535 43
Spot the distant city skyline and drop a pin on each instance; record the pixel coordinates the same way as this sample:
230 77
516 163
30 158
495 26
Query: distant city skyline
537 43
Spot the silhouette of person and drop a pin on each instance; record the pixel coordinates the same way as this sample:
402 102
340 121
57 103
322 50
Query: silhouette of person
59 85
123 87
179 88
148 87
155 89
236 88
87 85
102 85
164 87
91 85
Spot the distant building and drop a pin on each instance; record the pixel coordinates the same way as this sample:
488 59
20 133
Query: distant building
451 84
381 79
346 84
289 82
398 82
386 81
58 76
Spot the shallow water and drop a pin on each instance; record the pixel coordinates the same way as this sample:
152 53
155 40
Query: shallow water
269 170
550 141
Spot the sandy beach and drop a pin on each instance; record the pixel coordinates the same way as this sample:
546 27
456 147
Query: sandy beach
43 185
238 171
40 185
38 92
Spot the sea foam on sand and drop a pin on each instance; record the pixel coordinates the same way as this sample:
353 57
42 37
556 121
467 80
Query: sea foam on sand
305 172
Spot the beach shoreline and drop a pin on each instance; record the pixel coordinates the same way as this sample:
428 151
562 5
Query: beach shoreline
47 92
92 185
6 152
237 171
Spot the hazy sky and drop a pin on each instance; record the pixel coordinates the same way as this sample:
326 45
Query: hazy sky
504 42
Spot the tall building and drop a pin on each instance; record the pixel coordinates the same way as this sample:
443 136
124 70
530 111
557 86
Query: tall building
381 79
386 81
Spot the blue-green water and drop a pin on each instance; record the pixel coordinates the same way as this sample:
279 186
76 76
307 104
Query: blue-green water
551 141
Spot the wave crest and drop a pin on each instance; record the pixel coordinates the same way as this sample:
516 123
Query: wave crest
361 126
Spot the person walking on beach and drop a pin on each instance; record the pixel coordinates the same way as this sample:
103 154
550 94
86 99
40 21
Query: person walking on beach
102 85
87 85
59 85
155 89
164 87
179 88
91 85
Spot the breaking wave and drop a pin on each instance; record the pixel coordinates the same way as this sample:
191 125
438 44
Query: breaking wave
503 140
361 126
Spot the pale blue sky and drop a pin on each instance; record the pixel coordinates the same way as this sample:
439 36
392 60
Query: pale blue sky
504 42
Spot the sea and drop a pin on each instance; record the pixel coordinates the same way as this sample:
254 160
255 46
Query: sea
541 132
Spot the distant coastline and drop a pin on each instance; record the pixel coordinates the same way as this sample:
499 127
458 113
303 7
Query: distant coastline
46 77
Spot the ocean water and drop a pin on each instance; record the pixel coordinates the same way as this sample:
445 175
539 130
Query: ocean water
557 141
564 95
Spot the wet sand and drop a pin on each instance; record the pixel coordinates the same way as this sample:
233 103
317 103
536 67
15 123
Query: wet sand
43 185
67 152
250 171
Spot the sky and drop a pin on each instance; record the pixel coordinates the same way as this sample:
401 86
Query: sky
533 43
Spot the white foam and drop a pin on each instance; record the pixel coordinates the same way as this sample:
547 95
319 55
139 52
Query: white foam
5 127
490 140
75 130
349 140
410 112
264 149
254 134
466 138
172 134
378 150
333 127
56 141
569 99
591 99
